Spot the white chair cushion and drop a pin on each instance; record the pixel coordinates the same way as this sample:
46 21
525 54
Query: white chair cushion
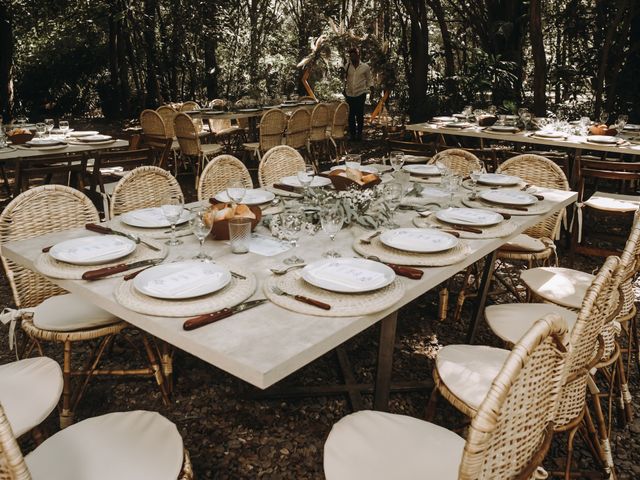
524 243
211 148
65 313
469 370
125 446
562 286
29 391
251 146
512 320
612 202
371 445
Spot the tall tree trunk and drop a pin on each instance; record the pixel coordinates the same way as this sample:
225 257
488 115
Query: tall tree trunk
113 100
6 63
628 91
539 59
419 105
447 45
153 96
123 68
211 66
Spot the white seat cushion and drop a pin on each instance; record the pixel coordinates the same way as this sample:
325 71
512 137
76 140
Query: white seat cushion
512 320
65 313
371 445
524 243
562 286
468 370
127 445
211 148
251 146
29 391
612 202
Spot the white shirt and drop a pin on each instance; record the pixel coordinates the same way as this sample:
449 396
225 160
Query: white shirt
359 79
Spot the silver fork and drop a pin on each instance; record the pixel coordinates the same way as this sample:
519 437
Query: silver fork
369 239
282 271
301 298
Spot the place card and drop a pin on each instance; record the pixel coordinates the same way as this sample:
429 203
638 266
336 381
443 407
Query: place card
267 246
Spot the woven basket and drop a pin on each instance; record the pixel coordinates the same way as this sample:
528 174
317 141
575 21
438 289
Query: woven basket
341 183
220 229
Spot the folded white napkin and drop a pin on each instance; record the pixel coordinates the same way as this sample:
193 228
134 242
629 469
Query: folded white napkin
347 275
182 282
96 250
409 240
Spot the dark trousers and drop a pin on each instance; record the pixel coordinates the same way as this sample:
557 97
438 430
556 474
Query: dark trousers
356 116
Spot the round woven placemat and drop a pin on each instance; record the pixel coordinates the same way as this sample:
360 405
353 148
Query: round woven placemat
237 291
182 230
502 229
469 186
434 180
536 209
342 304
411 259
51 267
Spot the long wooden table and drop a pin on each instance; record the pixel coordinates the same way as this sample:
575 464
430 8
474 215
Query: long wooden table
17 152
268 343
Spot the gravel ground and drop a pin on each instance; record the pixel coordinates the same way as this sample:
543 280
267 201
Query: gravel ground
232 433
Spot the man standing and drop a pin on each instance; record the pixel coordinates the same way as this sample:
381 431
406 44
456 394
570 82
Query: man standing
359 81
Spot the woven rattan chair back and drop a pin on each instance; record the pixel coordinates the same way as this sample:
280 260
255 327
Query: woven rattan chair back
217 103
190 105
272 126
216 125
340 121
187 135
512 430
298 128
320 121
41 210
541 172
12 464
279 162
219 172
143 187
168 113
153 124
459 161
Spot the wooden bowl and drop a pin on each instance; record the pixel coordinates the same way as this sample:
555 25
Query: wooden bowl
487 120
220 230
341 183
20 138
602 130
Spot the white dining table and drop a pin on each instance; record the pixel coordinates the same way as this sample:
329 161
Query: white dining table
266 344
15 152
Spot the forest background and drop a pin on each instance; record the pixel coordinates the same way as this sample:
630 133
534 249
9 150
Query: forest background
113 58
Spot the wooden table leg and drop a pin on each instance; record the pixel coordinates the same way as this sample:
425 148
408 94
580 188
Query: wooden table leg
478 308
385 362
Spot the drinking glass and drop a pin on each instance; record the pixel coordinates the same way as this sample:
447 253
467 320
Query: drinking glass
40 129
172 209
475 174
526 119
64 127
291 226
49 125
502 119
392 196
240 234
477 113
584 125
22 120
200 229
622 122
452 185
467 111
236 190
604 116
331 219
353 160
396 158
305 177
492 109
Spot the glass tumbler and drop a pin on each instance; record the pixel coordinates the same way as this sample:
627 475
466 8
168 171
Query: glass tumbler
240 234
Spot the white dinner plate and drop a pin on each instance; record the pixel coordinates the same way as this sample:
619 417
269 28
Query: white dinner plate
422 170
60 146
475 217
415 159
502 128
508 197
433 192
458 125
293 181
44 142
603 139
93 250
95 138
81 133
444 119
151 218
348 275
419 240
631 127
362 168
248 110
543 134
180 280
498 179
251 197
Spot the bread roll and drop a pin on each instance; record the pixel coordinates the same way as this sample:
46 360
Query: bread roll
353 174
244 212
371 177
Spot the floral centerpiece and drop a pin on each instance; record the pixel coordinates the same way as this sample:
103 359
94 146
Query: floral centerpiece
363 207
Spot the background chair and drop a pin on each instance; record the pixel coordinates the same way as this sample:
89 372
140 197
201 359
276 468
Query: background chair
297 132
318 139
190 146
168 114
279 162
338 130
217 174
157 136
458 161
272 126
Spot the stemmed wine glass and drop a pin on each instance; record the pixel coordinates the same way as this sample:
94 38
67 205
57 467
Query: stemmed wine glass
467 111
621 123
48 125
525 116
305 177
604 116
236 190
291 226
331 219
396 158
40 129
200 229
475 174
452 184
172 210
392 196
64 127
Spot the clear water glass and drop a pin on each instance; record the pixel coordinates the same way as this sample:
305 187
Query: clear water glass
396 158
475 176
305 177
622 122
172 212
200 229
492 109
604 116
40 129
331 219
48 125
22 120
584 125
467 111
236 190
64 127
291 227
477 113
453 184
392 196
353 160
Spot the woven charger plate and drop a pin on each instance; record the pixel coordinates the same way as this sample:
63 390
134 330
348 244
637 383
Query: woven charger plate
537 208
502 229
342 304
237 291
50 267
411 259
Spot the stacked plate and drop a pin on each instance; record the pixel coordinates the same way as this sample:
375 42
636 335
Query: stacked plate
348 275
603 139
473 217
362 168
293 181
548 134
82 133
95 138
630 127
46 143
458 125
502 128
508 197
93 250
422 170
151 218
499 179
444 119
418 240
251 197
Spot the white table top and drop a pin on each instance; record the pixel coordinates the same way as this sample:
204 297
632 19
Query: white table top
573 141
265 344
73 148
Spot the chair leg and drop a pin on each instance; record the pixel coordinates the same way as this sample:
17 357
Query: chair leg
444 304
432 405
603 437
155 368
66 415
625 398
570 440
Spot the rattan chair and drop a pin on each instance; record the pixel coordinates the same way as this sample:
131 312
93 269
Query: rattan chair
231 137
168 114
458 161
157 136
143 187
188 106
125 445
218 173
508 437
190 146
279 162
318 139
338 131
297 134
48 313
272 126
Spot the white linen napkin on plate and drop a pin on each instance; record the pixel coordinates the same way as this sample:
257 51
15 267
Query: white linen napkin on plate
182 282
96 250
347 275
